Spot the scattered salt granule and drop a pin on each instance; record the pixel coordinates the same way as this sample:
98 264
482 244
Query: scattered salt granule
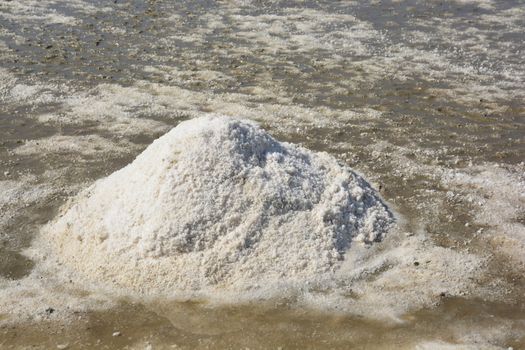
217 202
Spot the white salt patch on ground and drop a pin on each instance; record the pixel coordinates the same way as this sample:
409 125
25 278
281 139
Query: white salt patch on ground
34 11
499 198
115 108
84 145
19 197
49 286
495 195
13 91
440 345
7 81
16 195
127 111
384 282
218 204
17 192
302 31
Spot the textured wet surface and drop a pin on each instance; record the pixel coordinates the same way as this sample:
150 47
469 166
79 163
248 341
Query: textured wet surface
189 326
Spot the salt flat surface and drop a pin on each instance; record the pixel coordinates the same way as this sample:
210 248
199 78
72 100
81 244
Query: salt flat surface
424 99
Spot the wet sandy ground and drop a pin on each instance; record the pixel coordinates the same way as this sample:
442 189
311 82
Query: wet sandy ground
189 326
406 92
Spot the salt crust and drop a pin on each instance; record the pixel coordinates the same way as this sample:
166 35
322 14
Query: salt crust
218 202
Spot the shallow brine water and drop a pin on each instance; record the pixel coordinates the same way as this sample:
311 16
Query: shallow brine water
425 99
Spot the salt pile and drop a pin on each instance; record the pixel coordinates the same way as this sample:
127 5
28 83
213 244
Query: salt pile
218 203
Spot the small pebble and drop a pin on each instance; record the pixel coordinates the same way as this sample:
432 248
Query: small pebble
62 346
6 173
116 334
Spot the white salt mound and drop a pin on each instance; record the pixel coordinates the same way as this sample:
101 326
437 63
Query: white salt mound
218 203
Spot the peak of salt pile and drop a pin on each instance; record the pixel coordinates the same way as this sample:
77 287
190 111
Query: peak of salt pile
218 202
